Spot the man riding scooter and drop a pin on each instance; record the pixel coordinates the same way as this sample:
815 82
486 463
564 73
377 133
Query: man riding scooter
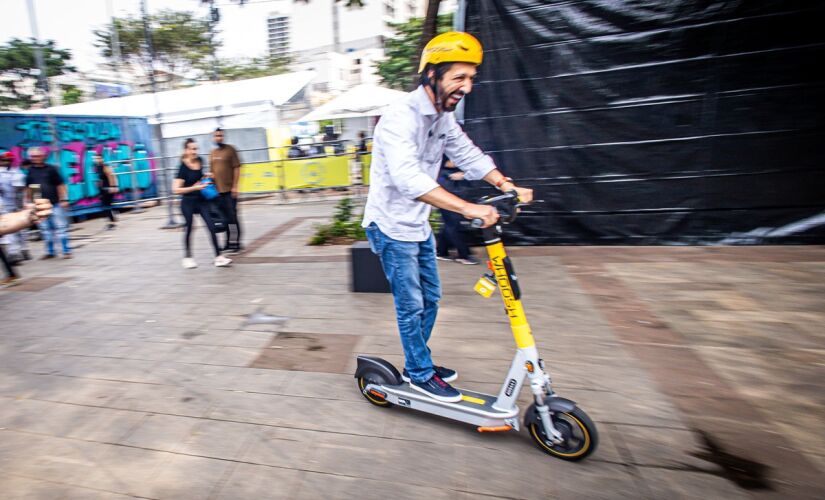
408 145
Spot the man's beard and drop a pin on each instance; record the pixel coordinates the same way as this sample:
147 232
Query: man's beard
447 103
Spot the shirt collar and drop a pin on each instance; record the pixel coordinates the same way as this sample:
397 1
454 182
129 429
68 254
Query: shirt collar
423 102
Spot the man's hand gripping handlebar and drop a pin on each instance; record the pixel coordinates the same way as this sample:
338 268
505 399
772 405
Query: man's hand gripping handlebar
506 206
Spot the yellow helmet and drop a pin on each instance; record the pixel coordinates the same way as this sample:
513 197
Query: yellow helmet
453 46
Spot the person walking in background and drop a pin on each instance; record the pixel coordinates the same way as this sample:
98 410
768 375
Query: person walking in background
11 275
362 143
107 185
54 189
189 183
225 165
450 236
12 184
15 221
295 150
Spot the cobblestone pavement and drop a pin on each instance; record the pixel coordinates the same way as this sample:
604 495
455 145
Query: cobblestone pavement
124 375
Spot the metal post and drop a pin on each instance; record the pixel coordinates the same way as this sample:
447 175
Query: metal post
115 42
336 35
171 222
214 19
459 20
43 77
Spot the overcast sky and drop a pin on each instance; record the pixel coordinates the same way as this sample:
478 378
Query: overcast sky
70 23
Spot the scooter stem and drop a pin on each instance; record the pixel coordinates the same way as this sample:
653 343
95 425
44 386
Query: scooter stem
508 286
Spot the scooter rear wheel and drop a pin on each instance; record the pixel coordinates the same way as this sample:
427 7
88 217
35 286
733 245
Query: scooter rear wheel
577 430
367 379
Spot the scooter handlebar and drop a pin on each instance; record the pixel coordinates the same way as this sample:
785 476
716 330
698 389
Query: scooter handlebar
506 205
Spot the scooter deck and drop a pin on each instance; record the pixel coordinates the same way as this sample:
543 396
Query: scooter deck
474 408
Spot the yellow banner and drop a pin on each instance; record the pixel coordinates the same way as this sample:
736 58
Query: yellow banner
307 173
300 173
366 160
260 177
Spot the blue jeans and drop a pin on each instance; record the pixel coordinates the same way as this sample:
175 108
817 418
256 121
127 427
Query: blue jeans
56 225
412 271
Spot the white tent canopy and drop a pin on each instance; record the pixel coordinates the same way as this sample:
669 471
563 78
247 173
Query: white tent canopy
243 103
360 101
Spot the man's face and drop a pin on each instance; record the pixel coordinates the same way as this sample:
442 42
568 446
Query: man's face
36 156
218 137
455 84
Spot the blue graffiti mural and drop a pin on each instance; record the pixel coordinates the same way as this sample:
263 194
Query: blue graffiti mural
71 142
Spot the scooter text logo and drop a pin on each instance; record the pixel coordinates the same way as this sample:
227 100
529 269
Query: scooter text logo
511 386
504 285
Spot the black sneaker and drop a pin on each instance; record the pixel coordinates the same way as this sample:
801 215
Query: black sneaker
446 374
438 390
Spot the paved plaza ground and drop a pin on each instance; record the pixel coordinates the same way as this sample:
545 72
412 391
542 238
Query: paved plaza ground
124 375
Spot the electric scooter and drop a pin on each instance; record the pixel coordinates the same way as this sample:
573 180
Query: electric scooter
555 424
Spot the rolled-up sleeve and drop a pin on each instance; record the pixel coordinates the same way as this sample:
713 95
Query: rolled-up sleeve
403 163
466 155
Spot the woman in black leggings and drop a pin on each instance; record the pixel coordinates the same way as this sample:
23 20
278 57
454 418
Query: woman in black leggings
188 184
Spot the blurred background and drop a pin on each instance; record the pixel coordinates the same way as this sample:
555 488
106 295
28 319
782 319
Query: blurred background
644 123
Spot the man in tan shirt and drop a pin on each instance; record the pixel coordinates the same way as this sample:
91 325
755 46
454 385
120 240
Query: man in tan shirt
226 167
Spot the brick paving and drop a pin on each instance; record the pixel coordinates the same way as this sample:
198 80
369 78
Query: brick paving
124 375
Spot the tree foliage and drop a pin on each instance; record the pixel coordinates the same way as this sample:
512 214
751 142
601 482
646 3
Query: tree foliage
19 71
401 51
70 94
230 69
180 41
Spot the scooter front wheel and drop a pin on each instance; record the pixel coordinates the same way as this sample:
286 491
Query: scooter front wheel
364 381
579 435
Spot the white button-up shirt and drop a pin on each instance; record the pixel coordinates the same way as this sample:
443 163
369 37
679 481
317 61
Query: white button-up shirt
408 145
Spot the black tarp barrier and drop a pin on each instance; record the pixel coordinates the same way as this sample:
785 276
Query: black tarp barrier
651 122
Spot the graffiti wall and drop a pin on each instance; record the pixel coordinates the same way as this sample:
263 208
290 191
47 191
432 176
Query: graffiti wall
70 143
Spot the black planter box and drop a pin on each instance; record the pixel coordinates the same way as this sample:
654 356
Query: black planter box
367 274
